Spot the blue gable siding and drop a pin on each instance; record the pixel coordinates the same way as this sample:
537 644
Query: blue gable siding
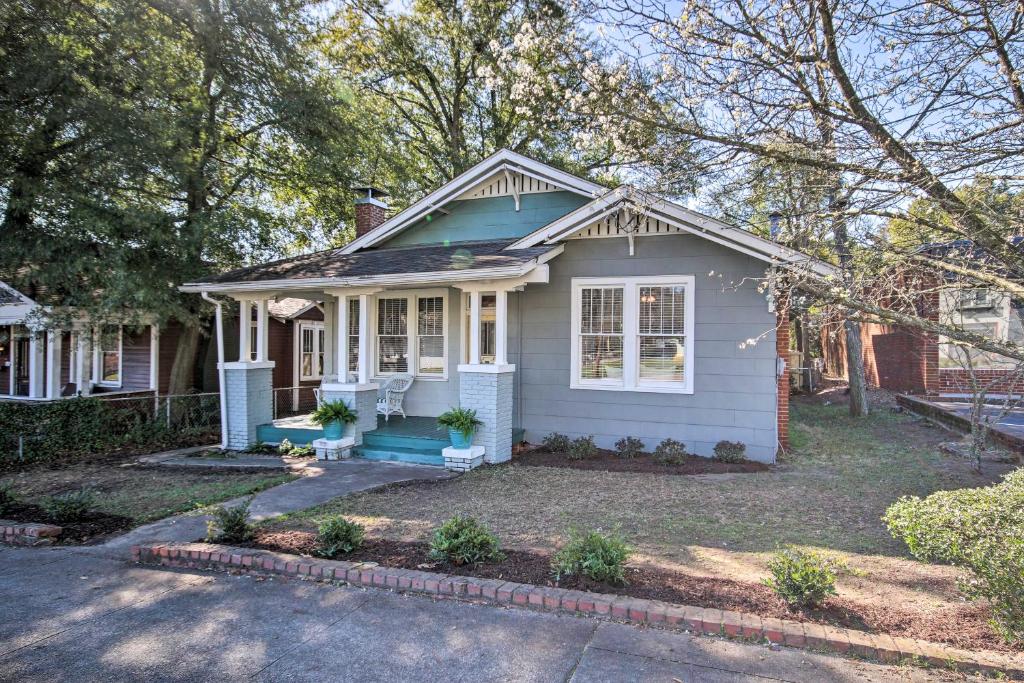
489 218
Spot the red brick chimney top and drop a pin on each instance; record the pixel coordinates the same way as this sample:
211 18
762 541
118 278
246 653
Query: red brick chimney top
370 211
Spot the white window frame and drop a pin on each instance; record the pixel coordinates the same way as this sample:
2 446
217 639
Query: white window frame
412 330
98 359
630 380
317 328
464 318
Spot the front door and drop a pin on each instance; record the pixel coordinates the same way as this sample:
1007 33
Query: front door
21 378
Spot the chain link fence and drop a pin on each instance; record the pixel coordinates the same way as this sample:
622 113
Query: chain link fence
47 430
289 401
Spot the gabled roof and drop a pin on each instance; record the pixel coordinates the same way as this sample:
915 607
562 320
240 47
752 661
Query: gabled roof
421 263
10 296
503 160
289 307
646 204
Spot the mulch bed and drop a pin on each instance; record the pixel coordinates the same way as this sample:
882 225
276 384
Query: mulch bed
94 527
609 461
965 626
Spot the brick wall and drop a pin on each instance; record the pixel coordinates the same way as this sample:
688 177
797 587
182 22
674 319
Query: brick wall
250 403
490 395
782 332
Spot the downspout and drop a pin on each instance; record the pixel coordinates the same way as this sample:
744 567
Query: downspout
221 372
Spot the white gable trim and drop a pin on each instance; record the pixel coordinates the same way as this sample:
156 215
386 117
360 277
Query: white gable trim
497 163
684 219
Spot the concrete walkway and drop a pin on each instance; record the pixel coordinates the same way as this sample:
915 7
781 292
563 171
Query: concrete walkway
67 615
321 482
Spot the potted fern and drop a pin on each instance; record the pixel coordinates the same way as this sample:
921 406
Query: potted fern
333 416
461 424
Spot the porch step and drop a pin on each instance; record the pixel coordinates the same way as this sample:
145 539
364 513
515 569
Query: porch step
386 441
300 436
399 454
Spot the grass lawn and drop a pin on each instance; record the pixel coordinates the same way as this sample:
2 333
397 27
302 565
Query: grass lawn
141 493
828 493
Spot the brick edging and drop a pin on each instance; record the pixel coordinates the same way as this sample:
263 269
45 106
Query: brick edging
28 533
882 647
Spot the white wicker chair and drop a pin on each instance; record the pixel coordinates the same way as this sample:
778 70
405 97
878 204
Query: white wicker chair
391 394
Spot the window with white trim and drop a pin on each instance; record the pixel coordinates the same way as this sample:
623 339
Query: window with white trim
418 345
311 350
633 334
392 335
430 335
488 327
110 345
353 334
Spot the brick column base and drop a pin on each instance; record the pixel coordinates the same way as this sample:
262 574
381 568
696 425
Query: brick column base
361 398
487 389
249 394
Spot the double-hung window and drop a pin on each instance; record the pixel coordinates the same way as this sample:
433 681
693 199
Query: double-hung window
110 344
633 333
311 350
353 334
416 345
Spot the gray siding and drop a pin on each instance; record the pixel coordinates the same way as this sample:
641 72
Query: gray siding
734 388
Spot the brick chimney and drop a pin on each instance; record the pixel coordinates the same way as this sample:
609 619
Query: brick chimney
369 209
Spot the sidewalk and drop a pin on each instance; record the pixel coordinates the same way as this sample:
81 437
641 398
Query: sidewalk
321 482
69 615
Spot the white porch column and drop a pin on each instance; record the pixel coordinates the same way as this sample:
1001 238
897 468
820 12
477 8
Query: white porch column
244 321
82 359
364 339
500 327
330 335
341 340
53 353
11 359
36 383
474 327
262 332
154 355
94 347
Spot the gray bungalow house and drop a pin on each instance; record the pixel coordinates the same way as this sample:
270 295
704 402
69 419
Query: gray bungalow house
546 302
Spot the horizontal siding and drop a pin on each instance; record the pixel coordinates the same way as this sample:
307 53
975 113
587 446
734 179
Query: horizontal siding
135 363
734 383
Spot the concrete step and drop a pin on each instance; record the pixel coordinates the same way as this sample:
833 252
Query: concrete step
398 454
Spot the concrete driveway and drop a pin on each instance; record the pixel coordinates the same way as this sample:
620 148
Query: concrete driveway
74 614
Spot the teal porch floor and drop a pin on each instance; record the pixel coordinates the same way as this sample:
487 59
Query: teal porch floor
402 439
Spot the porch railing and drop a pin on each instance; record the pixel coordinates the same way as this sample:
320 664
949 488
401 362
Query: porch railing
289 401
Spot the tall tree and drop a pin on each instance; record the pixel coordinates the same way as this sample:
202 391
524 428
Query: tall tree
890 101
456 80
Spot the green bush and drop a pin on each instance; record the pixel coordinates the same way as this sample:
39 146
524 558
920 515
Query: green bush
670 452
556 443
629 447
333 411
7 497
801 578
462 420
260 448
230 525
980 529
583 447
338 536
463 540
67 508
730 451
598 556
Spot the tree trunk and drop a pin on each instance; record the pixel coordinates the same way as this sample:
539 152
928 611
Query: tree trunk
183 371
855 370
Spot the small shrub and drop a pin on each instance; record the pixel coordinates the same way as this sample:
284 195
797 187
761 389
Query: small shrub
583 447
980 529
285 447
730 451
462 420
338 536
801 578
463 540
556 443
70 507
598 556
670 452
333 411
230 525
7 497
260 448
302 452
629 447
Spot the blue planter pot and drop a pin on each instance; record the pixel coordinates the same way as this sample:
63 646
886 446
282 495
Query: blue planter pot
459 440
333 430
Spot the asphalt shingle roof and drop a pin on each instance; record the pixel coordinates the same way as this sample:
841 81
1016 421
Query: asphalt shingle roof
8 295
287 307
395 261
